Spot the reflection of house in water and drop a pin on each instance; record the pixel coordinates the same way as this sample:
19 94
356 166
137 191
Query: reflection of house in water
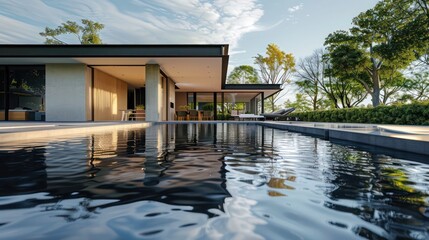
189 174
164 163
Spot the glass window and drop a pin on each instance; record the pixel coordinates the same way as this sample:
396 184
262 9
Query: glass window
26 93
205 101
191 102
259 102
220 115
2 93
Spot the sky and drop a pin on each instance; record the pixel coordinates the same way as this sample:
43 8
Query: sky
248 26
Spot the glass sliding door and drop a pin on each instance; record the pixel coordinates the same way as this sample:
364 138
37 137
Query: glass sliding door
205 104
191 100
205 101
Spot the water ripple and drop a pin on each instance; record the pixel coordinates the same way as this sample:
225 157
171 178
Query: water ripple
209 181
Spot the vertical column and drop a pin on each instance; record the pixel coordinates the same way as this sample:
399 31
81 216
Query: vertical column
172 99
215 106
153 94
223 106
195 100
262 102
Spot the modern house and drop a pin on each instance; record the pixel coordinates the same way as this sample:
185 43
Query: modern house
99 82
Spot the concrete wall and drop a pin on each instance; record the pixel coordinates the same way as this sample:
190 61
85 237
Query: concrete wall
153 93
67 93
110 97
164 98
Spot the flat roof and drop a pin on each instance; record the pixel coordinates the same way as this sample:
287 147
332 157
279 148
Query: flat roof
193 67
113 50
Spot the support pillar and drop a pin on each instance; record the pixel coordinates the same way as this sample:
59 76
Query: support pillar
153 94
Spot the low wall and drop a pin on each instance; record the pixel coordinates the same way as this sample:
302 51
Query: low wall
396 143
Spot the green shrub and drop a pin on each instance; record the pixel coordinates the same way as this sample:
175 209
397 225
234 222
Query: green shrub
411 114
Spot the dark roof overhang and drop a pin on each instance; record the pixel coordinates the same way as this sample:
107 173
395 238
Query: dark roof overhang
113 50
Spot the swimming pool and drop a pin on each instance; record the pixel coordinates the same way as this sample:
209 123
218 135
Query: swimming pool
209 181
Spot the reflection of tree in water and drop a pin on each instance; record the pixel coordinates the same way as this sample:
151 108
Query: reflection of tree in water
383 192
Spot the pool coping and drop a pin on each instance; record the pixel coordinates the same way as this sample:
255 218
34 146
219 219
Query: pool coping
368 134
27 133
374 138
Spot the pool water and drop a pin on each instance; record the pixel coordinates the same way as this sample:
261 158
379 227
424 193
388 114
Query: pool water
209 181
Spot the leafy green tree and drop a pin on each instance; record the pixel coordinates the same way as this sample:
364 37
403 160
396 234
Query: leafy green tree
301 103
414 31
369 48
87 33
395 83
418 87
316 78
243 74
275 68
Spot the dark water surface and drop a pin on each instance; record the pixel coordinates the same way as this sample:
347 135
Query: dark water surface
209 181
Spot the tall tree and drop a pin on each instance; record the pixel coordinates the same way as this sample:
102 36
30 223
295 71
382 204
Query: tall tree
276 68
310 76
87 33
369 47
243 74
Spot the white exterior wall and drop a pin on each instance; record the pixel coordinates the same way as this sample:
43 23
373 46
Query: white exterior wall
67 96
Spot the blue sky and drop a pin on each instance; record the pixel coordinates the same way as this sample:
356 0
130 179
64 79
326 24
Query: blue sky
297 26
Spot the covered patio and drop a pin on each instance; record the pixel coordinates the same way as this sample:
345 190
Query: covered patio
102 82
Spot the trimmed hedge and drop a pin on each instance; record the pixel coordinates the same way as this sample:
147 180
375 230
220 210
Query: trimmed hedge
411 114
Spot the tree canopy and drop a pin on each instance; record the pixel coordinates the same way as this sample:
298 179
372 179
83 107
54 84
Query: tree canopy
87 33
276 67
372 58
370 47
243 74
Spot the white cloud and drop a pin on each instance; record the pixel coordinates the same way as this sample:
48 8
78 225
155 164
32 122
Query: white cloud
295 8
136 21
27 33
237 52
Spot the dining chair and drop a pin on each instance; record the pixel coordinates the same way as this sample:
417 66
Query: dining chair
207 115
193 115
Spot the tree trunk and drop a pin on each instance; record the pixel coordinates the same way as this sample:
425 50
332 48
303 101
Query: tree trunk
376 88
315 99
